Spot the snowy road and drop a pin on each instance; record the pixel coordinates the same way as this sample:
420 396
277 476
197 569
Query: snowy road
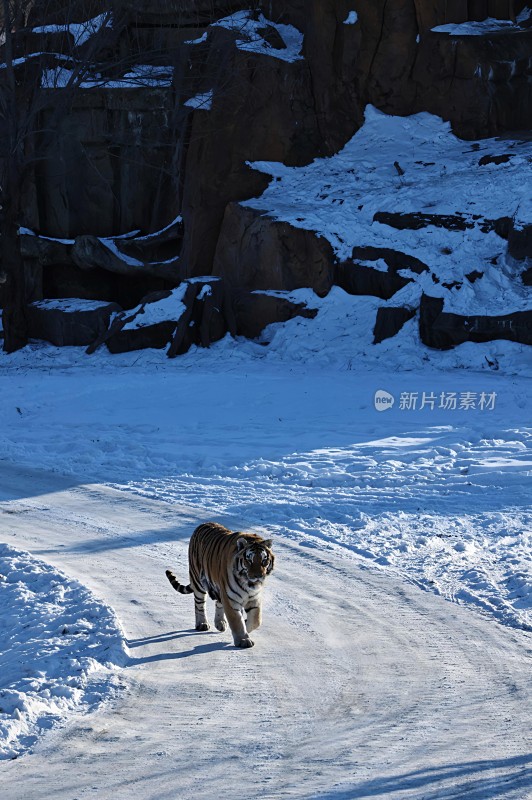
359 685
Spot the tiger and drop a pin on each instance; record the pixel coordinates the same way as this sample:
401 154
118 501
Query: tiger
229 566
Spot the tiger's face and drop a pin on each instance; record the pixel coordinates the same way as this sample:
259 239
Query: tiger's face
255 560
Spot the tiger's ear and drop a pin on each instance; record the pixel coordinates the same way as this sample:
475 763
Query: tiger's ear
241 543
267 543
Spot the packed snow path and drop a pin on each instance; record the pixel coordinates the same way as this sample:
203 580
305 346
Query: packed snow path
358 686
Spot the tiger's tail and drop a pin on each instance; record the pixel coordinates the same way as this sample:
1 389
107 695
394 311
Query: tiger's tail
179 587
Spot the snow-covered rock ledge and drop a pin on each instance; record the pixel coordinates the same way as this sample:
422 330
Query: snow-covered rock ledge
60 650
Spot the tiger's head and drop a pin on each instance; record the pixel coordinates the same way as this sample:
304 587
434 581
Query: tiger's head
255 559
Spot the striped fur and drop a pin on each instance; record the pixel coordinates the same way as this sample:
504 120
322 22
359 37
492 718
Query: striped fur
231 568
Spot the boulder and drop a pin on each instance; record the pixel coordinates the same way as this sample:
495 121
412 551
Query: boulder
152 324
256 252
254 311
520 240
395 259
208 314
443 331
47 251
390 320
415 221
190 314
90 252
357 279
69 321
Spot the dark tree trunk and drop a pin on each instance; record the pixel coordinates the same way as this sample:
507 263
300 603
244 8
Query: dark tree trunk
14 287
12 266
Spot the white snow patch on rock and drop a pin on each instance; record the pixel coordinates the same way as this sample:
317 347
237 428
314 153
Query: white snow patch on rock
201 101
352 18
251 39
81 31
171 308
480 28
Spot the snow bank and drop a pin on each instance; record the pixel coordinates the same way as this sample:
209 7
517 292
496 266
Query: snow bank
59 649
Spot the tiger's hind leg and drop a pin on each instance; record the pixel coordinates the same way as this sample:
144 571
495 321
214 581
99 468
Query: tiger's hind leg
199 607
220 622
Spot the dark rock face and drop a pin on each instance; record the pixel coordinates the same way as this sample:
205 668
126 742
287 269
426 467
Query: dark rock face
255 252
49 12
68 280
183 13
389 322
262 109
444 331
481 84
520 241
118 143
69 322
254 311
468 80
136 158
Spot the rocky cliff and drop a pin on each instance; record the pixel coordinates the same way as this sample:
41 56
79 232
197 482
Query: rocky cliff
153 160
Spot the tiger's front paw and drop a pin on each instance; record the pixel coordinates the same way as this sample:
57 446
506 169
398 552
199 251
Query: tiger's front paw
221 625
202 626
244 642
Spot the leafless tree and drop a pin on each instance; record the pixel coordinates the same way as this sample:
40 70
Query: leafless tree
29 73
